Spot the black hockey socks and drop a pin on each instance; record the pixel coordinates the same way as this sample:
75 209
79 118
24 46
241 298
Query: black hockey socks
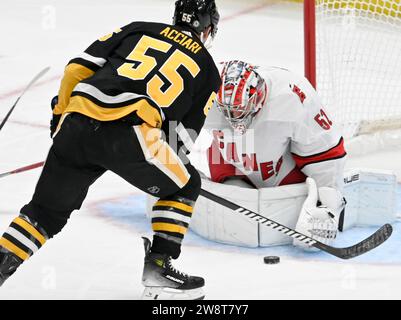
170 221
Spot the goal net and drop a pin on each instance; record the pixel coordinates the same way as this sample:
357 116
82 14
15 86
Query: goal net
357 61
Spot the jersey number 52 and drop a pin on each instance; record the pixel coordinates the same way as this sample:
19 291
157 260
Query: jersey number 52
323 120
169 70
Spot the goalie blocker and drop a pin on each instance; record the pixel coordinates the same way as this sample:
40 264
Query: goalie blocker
370 198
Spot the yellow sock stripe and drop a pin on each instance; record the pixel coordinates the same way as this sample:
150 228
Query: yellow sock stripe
14 249
28 227
175 204
161 226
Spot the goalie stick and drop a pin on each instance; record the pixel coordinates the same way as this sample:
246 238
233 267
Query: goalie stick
36 78
358 249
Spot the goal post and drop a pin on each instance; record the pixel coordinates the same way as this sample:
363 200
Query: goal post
310 41
353 57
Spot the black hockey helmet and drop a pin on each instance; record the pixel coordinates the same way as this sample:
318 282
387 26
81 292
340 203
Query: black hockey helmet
197 14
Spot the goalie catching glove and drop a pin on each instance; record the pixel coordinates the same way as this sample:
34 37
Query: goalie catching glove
320 214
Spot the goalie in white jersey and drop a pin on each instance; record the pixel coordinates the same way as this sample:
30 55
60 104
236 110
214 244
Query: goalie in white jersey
271 129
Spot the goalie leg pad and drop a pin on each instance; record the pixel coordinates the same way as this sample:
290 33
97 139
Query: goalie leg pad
371 198
217 223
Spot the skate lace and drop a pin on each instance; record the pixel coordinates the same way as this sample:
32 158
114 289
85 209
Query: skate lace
173 269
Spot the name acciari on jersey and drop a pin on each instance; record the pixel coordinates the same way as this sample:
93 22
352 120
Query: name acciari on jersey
292 137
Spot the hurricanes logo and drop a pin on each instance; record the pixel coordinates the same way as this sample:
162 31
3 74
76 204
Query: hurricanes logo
154 190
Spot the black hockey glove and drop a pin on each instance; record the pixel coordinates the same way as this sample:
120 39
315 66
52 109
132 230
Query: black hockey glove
55 118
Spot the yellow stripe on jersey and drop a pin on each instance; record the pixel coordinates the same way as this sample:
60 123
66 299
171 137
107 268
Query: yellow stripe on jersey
175 204
108 36
159 153
14 249
209 104
169 227
73 74
29 228
143 109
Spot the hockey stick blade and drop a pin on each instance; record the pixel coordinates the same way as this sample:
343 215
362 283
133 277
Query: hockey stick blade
36 78
364 246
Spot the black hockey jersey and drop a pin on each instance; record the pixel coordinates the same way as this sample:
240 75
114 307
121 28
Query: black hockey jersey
159 71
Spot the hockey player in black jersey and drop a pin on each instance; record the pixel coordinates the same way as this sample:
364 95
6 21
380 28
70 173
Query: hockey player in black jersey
114 102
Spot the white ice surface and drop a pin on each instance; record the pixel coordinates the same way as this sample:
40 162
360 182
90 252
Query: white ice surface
99 254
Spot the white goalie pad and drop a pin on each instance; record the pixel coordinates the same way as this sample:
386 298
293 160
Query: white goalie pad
283 205
217 223
371 198
370 194
214 222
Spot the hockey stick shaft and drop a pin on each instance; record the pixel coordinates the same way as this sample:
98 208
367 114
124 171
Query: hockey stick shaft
364 246
36 78
23 169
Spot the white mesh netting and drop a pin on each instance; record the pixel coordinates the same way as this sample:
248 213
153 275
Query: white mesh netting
359 61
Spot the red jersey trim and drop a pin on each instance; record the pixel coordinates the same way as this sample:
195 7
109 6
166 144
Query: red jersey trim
336 152
219 170
294 177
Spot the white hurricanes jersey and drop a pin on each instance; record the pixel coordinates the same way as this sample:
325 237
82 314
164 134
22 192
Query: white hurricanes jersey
291 136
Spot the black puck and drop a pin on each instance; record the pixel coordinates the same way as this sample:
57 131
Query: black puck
271 259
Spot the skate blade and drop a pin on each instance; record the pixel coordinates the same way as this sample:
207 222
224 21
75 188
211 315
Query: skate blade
160 293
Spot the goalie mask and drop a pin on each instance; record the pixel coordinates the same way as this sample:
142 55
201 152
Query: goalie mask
242 94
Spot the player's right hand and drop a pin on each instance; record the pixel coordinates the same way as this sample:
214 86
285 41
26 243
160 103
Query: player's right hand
55 117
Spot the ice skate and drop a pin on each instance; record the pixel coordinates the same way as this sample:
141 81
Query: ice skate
163 282
9 263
